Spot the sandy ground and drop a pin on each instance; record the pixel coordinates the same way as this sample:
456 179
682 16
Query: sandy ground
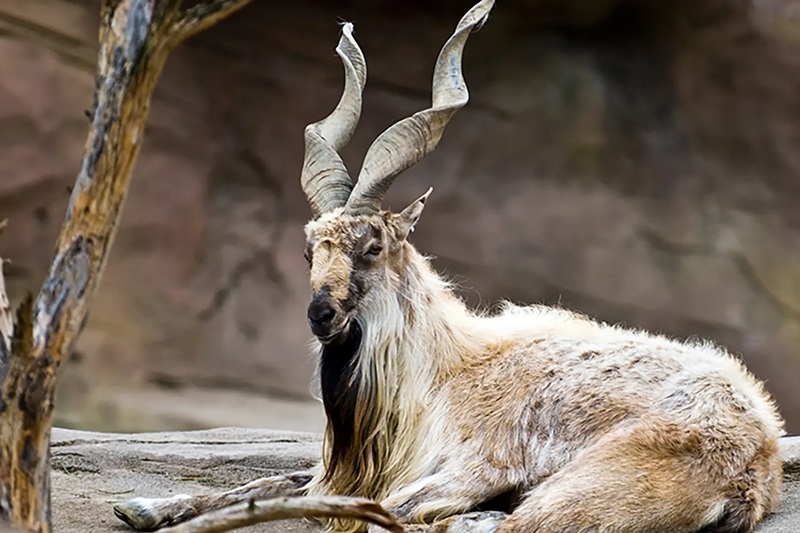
92 471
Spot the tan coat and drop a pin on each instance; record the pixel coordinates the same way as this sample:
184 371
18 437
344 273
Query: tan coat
594 427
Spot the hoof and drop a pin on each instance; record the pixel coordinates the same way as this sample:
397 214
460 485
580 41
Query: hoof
146 514
477 522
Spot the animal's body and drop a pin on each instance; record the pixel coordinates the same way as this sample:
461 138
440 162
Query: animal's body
593 427
435 410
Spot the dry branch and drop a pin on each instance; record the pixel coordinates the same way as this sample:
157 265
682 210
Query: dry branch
202 16
47 330
255 512
136 37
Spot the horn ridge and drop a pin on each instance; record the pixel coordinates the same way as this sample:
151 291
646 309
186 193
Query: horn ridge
324 177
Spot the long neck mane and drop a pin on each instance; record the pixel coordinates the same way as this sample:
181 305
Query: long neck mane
375 384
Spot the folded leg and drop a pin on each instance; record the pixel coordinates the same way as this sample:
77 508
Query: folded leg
444 494
147 514
657 478
476 522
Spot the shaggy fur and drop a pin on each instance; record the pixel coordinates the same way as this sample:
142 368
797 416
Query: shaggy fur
596 427
434 410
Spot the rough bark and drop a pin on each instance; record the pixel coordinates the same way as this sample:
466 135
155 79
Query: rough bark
202 16
136 37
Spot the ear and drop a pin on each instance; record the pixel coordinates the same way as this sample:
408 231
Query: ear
408 217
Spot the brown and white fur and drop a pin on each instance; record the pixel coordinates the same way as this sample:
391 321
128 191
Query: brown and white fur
435 409
570 424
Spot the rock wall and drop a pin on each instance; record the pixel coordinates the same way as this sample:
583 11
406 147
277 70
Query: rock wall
635 160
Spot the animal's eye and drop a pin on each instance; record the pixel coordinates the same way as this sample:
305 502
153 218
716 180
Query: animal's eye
374 250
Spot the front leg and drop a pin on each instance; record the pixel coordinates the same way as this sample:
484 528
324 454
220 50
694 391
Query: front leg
445 493
148 514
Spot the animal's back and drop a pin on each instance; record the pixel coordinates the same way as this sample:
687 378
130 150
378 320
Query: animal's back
569 356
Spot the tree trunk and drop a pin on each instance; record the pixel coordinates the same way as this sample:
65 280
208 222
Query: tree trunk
136 37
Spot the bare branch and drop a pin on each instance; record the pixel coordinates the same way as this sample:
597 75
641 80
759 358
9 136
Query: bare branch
202 16
255 512
136 37
132 54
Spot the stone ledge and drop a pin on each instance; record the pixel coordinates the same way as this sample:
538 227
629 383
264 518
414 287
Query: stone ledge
91 471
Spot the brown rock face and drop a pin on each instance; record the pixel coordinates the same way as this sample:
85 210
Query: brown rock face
636 160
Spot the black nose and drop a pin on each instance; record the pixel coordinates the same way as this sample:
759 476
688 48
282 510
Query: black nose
320 315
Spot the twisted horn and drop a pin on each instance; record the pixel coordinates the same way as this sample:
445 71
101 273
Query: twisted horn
324 177
414 137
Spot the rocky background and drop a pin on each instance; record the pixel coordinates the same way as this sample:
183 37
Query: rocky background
636 160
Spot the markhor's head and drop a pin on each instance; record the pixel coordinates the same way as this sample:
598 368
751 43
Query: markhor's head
351 257
354 248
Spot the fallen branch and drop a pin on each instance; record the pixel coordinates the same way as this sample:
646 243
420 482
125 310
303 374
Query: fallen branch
136 37
256 512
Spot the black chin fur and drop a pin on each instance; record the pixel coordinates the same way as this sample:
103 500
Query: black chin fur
339 382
